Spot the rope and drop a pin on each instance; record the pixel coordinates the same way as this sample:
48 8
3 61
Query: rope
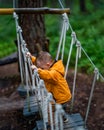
91 94
60 42
63 44
73 35
18 44
65 27
60 2
14 4
78 55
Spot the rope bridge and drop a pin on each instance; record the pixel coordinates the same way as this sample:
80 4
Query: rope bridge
37 98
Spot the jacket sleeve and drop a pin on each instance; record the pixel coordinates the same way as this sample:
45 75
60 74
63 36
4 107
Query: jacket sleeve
48 75
33 58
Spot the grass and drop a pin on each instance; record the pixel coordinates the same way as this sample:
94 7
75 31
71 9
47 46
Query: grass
7 35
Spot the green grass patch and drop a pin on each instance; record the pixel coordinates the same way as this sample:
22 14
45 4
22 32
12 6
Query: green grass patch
7 35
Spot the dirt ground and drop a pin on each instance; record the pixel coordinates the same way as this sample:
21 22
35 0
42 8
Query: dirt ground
11 104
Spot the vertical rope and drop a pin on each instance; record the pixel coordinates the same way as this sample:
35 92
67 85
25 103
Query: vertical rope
60 42
63 44
65 27
14 3
75 74
91 94
73 35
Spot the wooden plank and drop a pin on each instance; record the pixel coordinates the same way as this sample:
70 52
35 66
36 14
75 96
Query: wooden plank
22 90
32 99
77 128
75 122
40 125
32 111
30 107
42 10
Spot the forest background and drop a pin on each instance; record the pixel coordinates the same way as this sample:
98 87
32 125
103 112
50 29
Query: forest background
86 19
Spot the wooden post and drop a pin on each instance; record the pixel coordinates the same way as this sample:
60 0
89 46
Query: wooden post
44 10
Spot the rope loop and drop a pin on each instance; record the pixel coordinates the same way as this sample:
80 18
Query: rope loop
73 35
19 30
96 71
49 97
35 72
66 20
78 45
15 16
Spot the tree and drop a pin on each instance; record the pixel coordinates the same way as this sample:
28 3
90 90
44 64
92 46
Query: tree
33 26
82 4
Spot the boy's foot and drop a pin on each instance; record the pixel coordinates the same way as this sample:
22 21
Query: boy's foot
65 120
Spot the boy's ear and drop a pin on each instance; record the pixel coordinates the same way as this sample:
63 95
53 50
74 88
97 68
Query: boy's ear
48 64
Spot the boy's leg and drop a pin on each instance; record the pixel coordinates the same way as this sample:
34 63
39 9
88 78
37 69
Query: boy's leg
66 108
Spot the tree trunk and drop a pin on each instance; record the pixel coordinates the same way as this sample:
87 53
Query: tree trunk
82 5
33 27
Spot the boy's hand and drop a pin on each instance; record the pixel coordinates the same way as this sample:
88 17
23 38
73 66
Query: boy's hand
33 67
28 54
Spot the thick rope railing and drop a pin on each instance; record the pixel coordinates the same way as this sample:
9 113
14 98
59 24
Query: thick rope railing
19 49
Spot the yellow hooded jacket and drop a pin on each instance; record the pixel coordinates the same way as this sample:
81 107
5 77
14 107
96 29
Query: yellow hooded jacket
55 82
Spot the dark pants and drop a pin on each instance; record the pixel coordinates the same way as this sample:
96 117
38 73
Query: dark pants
66 106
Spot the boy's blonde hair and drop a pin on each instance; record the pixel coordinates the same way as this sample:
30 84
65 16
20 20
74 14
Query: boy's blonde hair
44 57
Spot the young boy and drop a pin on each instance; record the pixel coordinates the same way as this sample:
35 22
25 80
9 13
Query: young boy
52 72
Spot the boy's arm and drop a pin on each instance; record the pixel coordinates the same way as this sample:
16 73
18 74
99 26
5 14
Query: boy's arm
48 75
33 58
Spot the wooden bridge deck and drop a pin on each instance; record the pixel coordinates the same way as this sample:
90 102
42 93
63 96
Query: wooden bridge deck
75 121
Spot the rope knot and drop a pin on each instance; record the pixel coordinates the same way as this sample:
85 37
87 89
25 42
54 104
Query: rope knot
15 16
66 20
96 71
73 35
19 29
78 44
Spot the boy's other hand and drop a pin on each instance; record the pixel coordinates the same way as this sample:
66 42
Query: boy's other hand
28 54
33 67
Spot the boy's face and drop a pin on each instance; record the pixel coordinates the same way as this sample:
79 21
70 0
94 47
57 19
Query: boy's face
42 65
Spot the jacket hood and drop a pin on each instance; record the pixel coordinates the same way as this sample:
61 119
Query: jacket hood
58 66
